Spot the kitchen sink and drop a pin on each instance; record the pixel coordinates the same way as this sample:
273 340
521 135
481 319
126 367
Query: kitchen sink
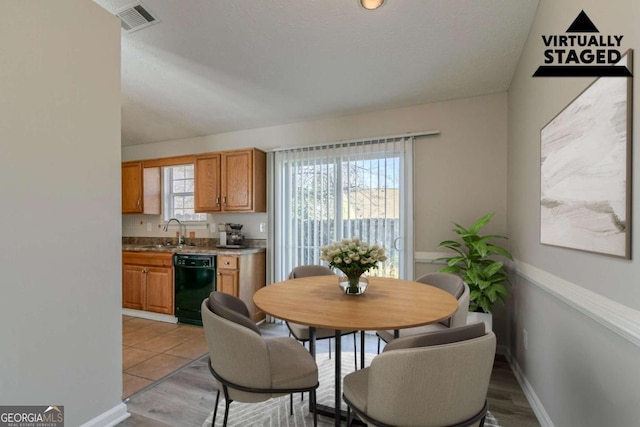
160 246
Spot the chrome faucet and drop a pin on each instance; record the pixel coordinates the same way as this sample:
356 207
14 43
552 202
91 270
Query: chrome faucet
180 236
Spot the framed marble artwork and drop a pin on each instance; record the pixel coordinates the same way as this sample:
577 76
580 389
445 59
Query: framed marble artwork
585 170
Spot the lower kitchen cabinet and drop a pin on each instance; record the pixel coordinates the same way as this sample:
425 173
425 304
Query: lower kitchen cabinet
147 282
133 287
241 276
228 282
160 291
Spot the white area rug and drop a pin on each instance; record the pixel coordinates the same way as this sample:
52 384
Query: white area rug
275 412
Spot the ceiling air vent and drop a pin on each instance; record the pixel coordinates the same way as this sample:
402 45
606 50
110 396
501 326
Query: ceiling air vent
135 17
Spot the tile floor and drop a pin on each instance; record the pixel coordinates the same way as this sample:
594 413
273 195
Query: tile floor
151 350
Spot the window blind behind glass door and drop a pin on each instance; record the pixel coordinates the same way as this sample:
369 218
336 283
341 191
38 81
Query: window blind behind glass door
335 191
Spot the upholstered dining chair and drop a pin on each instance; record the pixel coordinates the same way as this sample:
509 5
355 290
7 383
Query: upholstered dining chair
447 282
301 332
246 366
439 378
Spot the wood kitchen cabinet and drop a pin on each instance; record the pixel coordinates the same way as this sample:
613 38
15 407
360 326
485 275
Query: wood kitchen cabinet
160 291
231 181
147 281
241 276
140 188
133 287
207 183
228 282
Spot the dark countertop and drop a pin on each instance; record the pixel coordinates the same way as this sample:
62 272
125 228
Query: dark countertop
191 249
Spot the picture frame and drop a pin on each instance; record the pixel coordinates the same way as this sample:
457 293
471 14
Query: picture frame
585 169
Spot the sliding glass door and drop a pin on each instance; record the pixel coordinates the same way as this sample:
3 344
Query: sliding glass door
330 192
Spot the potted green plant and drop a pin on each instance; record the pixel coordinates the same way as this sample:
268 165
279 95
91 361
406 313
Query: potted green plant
474 261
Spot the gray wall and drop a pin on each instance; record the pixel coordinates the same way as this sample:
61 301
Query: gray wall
580 310
60 322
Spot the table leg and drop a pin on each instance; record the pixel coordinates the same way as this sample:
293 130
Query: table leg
396 333
362 349
312 350
312 341
335 412
338 394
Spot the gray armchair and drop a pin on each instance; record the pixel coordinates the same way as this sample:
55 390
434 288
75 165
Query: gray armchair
247 367
439 378
447 282
301 332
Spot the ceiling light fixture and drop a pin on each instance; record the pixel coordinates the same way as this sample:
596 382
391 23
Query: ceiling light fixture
371 4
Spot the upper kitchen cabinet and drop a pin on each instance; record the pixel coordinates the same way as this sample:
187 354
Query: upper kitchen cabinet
231 181
140 189
207 183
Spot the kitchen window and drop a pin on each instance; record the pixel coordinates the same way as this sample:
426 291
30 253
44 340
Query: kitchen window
179 199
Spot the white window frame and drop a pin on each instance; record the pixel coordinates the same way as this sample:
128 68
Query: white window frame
168 196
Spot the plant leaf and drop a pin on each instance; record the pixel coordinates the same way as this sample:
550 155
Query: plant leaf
492 269
481 248
501 290
488 237
449 244
484 285
481 222
455 260
499 251
460 228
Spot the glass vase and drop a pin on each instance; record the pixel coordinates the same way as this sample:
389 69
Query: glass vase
354 285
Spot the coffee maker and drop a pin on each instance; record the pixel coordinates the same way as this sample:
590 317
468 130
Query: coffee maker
235 236
231 236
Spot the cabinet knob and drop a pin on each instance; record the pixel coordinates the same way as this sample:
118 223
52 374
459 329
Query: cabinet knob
217 200
224 200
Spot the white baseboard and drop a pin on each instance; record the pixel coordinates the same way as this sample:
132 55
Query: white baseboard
150 315
110 418
530 394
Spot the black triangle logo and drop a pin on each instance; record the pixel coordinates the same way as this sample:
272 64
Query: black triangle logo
582 24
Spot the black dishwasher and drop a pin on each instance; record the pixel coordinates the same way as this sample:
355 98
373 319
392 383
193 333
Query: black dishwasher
195 279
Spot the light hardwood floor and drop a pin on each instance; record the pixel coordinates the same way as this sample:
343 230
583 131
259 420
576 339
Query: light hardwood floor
185 397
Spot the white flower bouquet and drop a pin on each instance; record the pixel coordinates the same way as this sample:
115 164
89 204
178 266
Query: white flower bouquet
353 257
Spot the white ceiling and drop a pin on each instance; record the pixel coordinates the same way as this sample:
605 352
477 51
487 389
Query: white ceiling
214 66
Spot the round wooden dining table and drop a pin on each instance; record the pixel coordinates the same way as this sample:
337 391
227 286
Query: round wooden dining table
388 303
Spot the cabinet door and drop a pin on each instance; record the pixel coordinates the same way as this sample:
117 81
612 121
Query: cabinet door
151 191
140 189
207 183
237 181
133 287
132 187
228 282
159 295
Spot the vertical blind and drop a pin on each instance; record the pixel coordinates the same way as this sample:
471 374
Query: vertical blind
330 192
